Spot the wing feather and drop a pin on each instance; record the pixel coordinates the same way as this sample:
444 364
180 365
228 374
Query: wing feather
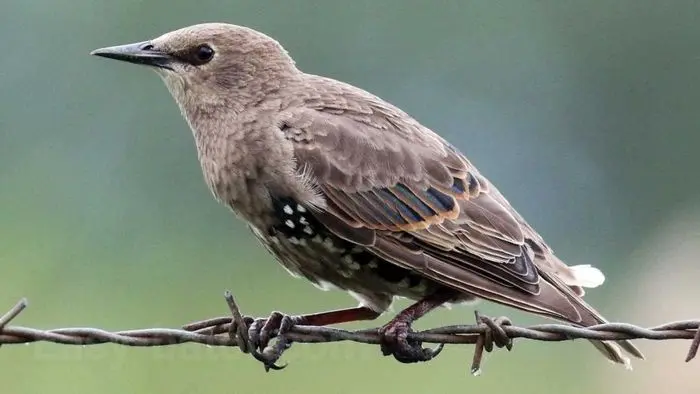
416 184
411 198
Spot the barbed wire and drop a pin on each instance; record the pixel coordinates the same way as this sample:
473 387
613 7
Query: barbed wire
232 331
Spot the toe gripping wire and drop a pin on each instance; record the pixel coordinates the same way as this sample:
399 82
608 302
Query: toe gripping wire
492 335
242 328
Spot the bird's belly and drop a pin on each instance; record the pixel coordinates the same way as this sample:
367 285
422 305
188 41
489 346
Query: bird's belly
306 248
331 261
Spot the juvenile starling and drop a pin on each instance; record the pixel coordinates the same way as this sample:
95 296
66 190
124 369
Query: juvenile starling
350 192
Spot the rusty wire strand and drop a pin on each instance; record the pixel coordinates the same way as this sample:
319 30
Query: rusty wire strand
231 331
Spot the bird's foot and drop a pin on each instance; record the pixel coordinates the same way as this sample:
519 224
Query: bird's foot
395 341
261 331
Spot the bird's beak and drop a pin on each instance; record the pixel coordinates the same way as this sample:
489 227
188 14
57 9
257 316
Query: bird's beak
137 53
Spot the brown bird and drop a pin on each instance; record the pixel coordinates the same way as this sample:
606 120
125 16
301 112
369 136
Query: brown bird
350 192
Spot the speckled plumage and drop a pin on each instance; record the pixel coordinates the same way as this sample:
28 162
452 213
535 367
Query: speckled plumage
350 192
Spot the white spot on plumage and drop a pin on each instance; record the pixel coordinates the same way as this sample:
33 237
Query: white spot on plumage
300 208
303 220
328 243
421 287
372 264
289 223
294 241
288 210
308 230
350 262
403 283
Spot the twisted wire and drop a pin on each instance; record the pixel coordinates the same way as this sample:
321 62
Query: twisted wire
229 331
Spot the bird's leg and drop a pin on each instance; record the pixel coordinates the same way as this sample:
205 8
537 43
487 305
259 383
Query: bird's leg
394 334
260 330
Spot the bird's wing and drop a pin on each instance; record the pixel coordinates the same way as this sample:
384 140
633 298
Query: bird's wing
406 194
415 200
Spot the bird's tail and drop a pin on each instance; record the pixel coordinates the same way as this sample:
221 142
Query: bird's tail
590 317
556 298
612 349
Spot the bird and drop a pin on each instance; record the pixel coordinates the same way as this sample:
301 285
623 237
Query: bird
350 192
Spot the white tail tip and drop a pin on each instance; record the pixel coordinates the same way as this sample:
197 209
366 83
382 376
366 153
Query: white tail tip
586 275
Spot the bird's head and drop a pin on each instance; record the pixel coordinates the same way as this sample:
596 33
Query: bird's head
211 64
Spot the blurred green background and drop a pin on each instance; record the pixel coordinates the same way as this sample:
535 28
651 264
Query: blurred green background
583 113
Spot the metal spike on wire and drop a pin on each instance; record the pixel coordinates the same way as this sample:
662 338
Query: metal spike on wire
232 331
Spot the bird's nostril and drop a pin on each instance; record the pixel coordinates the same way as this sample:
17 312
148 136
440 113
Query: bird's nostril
147 47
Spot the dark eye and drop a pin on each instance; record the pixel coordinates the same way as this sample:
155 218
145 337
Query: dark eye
195 55
203 53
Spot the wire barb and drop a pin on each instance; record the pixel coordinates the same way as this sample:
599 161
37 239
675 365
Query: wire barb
238 328
694 345
232 331
493 334
12 313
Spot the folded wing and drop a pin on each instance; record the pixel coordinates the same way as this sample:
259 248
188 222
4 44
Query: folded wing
406 194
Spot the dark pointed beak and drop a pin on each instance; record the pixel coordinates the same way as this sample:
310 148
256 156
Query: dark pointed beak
137 53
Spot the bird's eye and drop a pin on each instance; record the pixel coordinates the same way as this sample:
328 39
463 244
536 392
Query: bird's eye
204 53
195 55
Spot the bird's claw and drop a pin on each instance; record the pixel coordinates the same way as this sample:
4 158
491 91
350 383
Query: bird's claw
260 331
395 342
